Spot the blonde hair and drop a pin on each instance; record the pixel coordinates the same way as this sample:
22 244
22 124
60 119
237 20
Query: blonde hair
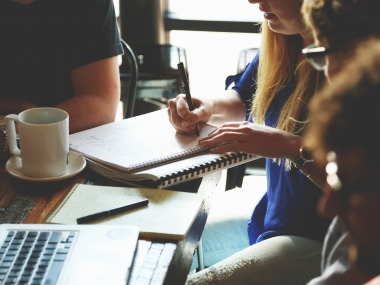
278 65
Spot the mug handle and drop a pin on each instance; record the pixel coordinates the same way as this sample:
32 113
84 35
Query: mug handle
11 133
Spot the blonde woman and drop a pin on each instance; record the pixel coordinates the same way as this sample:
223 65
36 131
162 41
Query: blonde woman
285 233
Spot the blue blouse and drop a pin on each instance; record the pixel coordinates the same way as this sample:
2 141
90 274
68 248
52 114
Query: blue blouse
289 206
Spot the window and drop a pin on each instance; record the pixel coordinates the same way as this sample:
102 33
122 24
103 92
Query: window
220 10
212 56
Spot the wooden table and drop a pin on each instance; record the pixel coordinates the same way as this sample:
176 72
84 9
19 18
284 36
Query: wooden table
32 202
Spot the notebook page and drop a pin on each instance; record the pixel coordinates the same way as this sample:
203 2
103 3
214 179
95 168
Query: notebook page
169 214
122 144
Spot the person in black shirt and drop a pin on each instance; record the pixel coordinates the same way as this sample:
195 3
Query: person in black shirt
63 54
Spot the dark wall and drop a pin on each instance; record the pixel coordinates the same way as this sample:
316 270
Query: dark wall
142 22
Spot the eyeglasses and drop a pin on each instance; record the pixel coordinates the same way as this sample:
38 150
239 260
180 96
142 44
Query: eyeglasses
343 188
316 56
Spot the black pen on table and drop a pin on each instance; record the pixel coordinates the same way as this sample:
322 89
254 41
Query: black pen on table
108 213
186 89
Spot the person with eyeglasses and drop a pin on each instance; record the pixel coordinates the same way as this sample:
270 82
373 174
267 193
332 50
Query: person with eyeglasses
344 133
264 113
338 27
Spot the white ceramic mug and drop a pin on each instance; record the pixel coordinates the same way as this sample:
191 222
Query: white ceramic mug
44 141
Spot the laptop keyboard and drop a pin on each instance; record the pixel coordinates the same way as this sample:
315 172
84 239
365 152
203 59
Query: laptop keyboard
37 257
34 257
151 263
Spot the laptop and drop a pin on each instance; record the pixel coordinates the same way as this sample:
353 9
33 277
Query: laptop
66 254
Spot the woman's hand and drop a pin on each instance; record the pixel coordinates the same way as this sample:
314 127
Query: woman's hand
216 110
182 119
253 138
262 141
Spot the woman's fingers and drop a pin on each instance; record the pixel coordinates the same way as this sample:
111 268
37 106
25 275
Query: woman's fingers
229 147
226 134
184 120
223 141
246 137
177 110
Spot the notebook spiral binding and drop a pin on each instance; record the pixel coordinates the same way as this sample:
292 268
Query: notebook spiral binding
196 170
167 159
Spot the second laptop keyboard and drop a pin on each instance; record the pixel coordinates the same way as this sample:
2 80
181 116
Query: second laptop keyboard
34 257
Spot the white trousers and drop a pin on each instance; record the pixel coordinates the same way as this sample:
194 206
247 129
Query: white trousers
282 260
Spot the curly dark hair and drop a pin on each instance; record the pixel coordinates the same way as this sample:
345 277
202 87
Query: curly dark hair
347 115
342 23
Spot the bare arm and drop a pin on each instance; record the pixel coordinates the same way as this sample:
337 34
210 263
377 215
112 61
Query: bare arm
263 141
96 96
9 105
227 107
374 281
316 172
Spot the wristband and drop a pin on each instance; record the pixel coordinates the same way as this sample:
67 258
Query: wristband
311 173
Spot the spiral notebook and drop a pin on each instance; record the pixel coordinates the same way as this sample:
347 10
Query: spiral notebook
169 214
147 151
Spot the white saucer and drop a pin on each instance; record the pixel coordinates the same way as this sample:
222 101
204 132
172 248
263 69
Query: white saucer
76 164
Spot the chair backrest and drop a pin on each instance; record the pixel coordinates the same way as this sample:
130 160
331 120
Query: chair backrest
129 99
245 57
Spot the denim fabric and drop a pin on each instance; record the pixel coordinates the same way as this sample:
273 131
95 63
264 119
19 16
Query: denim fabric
225 232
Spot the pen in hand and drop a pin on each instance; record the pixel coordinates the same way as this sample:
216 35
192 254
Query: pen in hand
108 213
186 89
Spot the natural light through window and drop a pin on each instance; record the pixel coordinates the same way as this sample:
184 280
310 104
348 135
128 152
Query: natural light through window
232 10
212 56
